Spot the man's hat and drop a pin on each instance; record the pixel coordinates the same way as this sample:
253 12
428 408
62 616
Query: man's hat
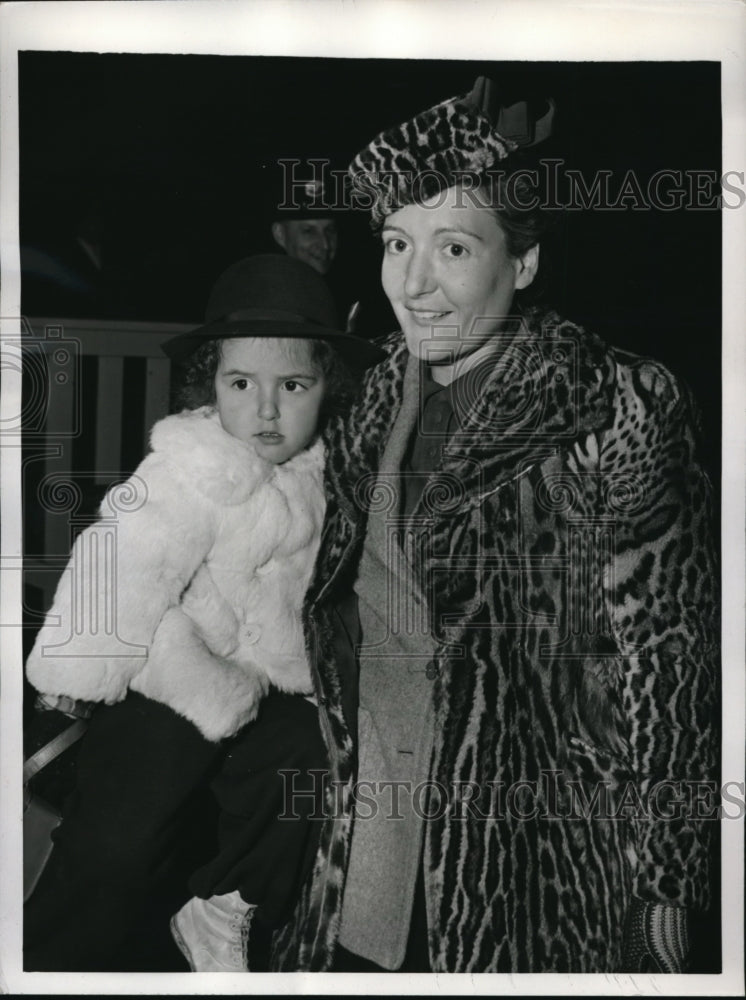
299 195
418 159
272 295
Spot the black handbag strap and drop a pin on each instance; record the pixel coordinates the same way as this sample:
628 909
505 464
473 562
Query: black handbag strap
53 749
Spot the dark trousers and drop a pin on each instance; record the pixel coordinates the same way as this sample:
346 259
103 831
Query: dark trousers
269 788
144 815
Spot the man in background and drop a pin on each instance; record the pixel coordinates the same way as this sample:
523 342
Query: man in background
307 224
307 230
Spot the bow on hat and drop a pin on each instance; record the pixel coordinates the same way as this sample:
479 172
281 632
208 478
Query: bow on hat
421 157
514 122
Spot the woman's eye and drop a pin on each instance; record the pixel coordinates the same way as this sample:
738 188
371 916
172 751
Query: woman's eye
292 386
456 250
395 246
240 383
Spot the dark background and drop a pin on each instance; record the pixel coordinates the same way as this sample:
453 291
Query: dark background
177 151
176 155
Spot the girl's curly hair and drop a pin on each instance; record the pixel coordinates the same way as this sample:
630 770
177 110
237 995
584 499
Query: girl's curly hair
195 378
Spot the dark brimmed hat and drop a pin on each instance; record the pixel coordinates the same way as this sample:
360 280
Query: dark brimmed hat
420 158
272 295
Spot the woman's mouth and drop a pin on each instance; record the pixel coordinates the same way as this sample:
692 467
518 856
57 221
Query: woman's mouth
270 437
426 317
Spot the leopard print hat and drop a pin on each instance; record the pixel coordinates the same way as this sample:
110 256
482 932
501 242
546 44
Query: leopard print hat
418 159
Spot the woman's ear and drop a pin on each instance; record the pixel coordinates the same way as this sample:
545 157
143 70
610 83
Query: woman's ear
526 267
278 234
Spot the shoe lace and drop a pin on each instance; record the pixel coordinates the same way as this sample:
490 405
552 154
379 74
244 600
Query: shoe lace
245 930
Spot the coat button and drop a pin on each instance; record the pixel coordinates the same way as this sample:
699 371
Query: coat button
252 634
431 671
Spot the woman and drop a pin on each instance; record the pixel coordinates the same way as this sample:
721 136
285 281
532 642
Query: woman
513 611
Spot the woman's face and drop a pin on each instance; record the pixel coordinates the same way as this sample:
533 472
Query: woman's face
450 279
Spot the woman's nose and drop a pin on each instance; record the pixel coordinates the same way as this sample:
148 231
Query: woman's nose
268 408
419 276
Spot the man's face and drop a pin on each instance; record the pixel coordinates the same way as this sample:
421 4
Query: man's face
314 241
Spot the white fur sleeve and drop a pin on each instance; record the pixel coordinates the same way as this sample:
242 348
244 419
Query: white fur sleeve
124 572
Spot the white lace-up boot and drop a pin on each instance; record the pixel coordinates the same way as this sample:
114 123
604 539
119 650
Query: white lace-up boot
213 934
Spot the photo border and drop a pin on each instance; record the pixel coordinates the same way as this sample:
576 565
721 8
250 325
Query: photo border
412 29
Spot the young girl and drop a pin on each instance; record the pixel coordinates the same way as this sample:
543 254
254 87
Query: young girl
202 571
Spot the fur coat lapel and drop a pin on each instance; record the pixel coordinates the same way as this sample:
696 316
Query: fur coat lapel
221 467
551 387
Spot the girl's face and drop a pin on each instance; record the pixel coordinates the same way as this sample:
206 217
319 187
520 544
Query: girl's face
269 394
450 279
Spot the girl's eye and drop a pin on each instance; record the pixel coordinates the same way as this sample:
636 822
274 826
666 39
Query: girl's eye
292 386
240 383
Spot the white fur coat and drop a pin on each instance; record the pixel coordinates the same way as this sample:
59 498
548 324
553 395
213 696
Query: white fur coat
189 587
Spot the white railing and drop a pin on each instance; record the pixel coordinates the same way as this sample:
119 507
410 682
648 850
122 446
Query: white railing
59 405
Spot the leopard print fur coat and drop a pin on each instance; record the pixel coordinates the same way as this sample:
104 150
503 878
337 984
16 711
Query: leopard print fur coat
574 598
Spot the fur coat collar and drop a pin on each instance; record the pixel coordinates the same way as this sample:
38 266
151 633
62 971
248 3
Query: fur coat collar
220 466
553 385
